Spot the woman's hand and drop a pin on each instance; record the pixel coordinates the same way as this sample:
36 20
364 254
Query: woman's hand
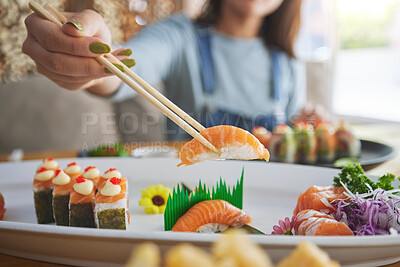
66 55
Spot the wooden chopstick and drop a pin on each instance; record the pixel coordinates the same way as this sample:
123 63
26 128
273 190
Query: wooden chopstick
160 96
142 82
37 8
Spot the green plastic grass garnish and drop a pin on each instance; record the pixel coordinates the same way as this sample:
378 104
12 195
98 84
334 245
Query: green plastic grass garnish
180 201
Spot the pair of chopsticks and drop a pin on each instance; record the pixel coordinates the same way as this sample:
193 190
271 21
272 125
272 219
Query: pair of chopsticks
167 107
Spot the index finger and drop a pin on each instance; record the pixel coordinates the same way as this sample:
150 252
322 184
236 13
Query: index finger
87 23
53 39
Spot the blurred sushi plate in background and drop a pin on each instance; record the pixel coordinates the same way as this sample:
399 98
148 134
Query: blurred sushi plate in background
322 145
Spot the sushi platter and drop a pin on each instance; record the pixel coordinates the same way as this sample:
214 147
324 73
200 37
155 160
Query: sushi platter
270 192
372 154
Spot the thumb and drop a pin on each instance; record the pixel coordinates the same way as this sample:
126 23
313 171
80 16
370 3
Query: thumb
87 23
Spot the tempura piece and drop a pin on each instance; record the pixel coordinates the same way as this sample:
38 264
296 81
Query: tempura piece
307 254
145 255
236 249
185 255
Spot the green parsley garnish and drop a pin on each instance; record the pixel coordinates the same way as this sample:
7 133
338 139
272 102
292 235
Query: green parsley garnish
354 178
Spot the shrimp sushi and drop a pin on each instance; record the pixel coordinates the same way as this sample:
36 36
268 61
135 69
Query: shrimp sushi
233 142
73 170
320 198
281 144
93 174
347 144
81 203
49 163
326 142
211 216
306 143
111 209
110 173
43 195
62 188
312 222
262 134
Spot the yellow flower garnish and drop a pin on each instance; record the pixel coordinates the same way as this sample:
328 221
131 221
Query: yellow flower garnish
154 199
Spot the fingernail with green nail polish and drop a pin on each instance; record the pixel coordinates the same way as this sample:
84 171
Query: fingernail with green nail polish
99 48
129 62
77 25
116 65
126 52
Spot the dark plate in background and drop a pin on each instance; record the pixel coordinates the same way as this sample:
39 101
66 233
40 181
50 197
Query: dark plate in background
372 154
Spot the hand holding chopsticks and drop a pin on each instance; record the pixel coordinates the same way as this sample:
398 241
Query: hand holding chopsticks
152 95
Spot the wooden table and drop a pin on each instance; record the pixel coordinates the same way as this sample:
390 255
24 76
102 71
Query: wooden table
388 133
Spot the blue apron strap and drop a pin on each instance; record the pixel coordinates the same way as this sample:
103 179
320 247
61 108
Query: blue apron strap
216 117
279 115
207 65
276 75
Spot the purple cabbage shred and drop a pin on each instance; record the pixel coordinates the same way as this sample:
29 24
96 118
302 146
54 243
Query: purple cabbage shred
370 216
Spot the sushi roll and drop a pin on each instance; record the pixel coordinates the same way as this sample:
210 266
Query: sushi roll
281 144
73 170
49 164
111 210
231 141
211 216
93 174
62 188
110 173
81 203
347 144
326 142
262 134
306 143
2 208
43 195
312 222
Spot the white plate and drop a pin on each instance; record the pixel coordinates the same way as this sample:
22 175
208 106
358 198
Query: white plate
270 194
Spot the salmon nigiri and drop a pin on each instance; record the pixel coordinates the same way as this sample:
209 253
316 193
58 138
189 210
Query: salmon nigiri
312 222
320 198
211 216
233 143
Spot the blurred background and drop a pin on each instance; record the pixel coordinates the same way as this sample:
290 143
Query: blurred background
351 50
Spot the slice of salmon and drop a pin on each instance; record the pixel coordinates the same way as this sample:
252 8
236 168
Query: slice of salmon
313 198
43 184
76 198
111 199
233 142
64 189
211 212
312 222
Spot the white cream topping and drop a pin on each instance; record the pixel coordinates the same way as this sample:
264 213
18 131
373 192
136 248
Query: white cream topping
49 164
110 189
84 188
283 129
260 130
91 173
73 169
44 176
61 179
112 174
